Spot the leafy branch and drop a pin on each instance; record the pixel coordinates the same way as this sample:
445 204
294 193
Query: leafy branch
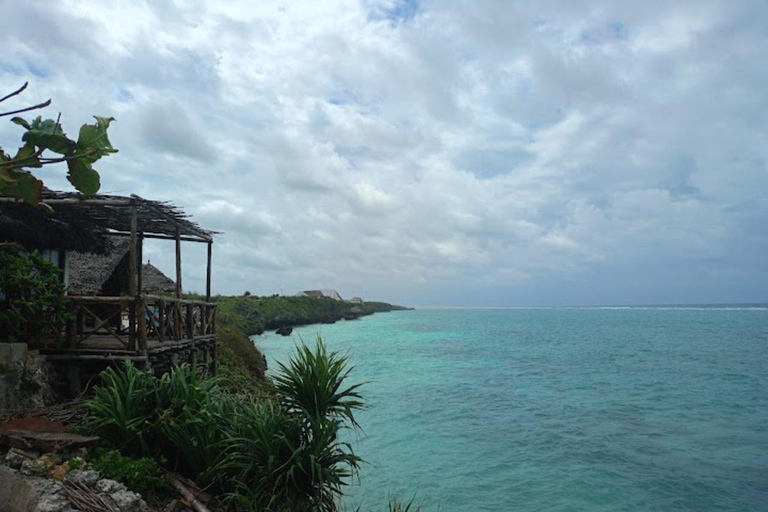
47 135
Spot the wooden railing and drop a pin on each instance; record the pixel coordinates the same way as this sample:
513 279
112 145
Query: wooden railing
135 321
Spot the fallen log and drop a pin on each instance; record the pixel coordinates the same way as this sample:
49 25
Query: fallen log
187 494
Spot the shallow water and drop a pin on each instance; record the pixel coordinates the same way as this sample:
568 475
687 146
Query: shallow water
597 409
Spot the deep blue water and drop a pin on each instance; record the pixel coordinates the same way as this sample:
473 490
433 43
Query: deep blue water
559 409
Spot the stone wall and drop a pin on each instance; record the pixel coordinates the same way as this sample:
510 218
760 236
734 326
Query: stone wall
25 378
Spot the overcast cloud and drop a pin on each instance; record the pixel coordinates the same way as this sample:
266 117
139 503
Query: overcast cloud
429 153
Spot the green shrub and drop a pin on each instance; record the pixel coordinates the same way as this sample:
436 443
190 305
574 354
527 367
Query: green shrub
32 304
123 410
279 453
143 475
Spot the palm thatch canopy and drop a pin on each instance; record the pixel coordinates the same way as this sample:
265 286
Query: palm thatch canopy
107 274
82 223
88 273
34 228
153 280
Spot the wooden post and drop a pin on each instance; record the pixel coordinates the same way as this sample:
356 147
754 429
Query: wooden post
208 274
141 305
140 267
161 319
132 279
71 328
191 334
178 263
178 317
141 312
214 348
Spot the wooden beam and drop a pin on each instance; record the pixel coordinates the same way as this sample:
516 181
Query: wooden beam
208 274
156 236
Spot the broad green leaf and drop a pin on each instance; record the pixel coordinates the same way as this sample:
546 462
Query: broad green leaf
83 176
21 122
93 142
25 187
47 134
7 175
26 157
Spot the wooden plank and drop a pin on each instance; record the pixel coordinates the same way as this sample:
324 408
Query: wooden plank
89 357
156 236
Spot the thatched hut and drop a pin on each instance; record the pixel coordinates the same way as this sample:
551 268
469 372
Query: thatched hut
107 274
98 241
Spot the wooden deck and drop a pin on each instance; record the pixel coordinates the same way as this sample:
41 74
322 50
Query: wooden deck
106 345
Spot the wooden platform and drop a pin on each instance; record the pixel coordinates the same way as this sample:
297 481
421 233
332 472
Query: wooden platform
105 347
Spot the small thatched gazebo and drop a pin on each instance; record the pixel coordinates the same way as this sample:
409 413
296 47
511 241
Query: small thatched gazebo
98 241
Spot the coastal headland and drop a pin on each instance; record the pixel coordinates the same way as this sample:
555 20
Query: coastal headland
254 315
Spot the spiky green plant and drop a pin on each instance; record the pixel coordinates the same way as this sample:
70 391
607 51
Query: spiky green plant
314 382
286 454
123 409
279 453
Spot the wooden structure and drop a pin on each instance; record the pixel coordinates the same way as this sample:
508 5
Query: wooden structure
156 331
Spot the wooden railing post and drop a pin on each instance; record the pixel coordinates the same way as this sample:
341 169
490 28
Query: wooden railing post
161 319
132 324
190 320
71 328
191 334
132 279
141 310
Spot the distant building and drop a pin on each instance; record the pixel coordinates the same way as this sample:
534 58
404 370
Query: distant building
355 300
320 294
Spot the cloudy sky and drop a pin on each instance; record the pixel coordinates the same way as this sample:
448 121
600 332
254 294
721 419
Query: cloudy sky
444 153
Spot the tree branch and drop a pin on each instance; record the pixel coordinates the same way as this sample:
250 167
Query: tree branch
34 107
14 93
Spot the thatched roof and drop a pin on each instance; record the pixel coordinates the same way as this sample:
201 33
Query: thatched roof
89 272
36 229
80 223
153 280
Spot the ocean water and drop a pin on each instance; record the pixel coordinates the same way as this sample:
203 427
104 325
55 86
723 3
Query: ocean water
593 409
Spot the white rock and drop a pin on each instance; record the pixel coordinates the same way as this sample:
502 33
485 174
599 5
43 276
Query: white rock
129 501
34 467
107 486
53 503
14 459
87 478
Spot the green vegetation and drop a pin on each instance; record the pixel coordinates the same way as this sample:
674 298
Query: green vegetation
241 365
48 135
143 475
254 315
279 452
32 308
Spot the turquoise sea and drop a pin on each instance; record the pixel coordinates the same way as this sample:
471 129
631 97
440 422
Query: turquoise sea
583 409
